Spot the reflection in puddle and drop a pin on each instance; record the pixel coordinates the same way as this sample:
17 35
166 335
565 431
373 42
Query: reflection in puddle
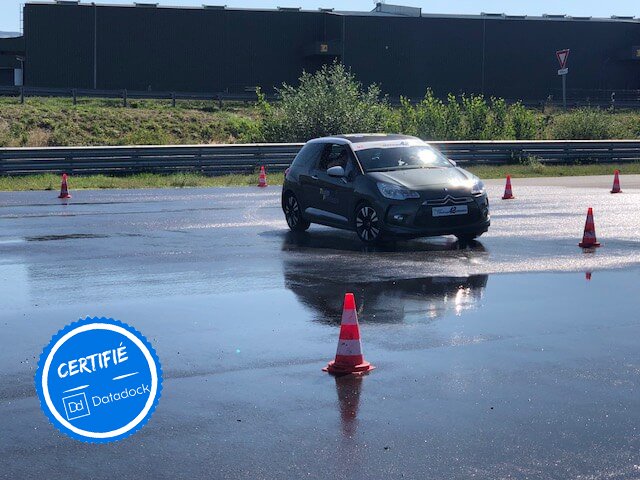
348 242
349 388
390 301
378 278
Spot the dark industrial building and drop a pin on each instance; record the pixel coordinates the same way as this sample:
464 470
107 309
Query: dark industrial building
148 47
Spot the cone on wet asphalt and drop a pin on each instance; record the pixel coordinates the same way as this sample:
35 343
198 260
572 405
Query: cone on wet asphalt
508 193
589 237
616 182
64 188
349 358
262 179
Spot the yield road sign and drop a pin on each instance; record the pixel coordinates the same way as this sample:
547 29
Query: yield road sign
563 55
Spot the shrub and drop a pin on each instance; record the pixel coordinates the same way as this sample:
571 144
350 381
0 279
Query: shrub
467 118
522 124
426 120
476 117
582 124
328 102
431 118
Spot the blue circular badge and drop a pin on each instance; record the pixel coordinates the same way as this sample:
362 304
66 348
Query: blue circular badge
99 380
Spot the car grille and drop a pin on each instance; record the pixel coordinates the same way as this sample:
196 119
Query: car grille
448 200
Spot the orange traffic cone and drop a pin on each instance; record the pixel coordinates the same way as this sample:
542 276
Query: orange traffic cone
508 194
587 275
616 182
589 237
262 180
64 188
349 358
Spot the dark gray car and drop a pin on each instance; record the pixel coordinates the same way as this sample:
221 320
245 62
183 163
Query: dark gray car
383 186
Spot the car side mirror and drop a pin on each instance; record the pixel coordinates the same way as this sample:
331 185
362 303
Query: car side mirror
453 163
336 171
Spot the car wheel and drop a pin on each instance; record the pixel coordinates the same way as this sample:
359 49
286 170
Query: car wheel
367 224
293 214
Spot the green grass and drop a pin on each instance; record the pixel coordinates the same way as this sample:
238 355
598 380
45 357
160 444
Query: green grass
185 180
142 180
541 170
43 122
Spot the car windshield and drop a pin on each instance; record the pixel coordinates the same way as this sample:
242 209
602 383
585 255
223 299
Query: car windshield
379 159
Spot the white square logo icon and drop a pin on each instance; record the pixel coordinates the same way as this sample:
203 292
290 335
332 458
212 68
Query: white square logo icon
76 406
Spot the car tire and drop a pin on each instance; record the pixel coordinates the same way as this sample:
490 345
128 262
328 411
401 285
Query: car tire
468 237
293 214
367 224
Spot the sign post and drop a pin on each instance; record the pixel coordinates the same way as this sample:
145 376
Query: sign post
563 56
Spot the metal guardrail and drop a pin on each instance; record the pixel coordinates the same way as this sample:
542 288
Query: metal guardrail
246 158
545 151
207 159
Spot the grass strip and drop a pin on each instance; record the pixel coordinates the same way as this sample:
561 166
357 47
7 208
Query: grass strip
186 180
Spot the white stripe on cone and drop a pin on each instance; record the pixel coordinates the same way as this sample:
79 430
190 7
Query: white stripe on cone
349 317
349 347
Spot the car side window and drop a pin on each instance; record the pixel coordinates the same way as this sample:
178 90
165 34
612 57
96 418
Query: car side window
334 155
308 156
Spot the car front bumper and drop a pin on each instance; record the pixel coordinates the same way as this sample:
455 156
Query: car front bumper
415 219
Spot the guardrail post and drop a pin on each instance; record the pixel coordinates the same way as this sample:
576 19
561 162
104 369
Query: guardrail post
73 93
173 99
124 98
21 94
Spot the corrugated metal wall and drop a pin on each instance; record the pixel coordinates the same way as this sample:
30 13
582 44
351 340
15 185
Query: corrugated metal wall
405 55
165 49
59 45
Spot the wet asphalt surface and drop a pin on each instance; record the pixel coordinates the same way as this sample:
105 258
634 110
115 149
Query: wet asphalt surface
494 360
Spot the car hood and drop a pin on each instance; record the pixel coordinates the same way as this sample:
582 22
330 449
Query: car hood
417 178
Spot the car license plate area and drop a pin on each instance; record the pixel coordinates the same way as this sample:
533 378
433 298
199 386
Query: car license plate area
450 210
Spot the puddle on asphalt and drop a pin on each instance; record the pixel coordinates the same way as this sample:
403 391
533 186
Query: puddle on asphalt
10 241
391 301
70 236
75 236
348 242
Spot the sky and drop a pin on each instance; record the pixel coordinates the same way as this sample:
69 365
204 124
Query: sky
10 9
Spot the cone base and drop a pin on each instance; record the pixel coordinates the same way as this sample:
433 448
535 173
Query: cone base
508 197
616 191
261 186
338 369
64 196
589 245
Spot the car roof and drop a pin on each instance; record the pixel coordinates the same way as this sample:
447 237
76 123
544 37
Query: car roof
363 138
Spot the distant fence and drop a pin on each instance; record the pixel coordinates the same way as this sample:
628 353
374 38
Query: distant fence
245 158
624 99
126 95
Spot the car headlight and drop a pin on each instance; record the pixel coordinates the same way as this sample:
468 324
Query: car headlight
477 187
396 192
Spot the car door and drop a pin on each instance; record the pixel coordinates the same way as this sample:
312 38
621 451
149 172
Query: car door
308 177
336 193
